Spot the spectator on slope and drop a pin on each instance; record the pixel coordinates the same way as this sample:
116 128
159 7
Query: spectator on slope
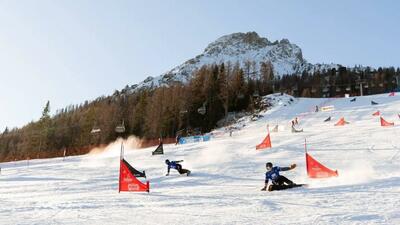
177 166
278 182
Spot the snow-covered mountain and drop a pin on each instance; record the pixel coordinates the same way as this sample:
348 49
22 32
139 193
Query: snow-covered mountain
285 57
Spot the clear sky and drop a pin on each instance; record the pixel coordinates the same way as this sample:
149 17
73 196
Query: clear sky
75 50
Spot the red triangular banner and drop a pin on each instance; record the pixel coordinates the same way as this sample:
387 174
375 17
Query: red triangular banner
377 113
391 94
341 122
316 170
265 144
385 123
127 181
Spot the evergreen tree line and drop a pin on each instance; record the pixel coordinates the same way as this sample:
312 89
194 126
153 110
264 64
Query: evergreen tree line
341 81
187 109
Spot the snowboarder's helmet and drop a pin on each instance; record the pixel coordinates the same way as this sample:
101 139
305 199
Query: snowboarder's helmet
166 161
268 165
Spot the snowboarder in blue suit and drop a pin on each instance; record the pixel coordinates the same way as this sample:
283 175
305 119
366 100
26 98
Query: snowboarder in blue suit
278 181
177 166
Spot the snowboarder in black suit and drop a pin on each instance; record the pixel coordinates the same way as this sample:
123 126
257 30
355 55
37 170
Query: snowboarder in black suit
279 182
374 103
177 166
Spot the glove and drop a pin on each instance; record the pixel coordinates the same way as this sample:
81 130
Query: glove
293 166
264 189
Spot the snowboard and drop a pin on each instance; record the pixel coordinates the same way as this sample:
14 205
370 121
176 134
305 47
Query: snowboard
185 172
284 187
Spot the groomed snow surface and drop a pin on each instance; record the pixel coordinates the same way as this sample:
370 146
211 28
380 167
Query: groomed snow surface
227 175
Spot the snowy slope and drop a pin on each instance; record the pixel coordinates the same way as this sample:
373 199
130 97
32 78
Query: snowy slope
228 174
285 57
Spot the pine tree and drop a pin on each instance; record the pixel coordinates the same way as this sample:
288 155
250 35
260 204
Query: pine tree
5 132
240 89
266 73
46 111
138 127
224 87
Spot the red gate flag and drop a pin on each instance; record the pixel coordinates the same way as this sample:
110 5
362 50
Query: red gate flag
391 94
341 122
127 180
265 144
377 113
385 123
316 170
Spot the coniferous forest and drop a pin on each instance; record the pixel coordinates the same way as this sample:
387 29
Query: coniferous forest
191 108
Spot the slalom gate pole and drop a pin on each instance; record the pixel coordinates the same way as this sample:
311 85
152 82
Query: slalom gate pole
305 149
64 154
119 179
121 156
305 145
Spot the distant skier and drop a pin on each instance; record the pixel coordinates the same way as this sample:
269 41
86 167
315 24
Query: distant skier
177 139
230 129
177 166
294 129
374 103
278 182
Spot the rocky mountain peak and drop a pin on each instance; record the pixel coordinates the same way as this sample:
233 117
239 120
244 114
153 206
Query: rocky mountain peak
237 41
285 57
